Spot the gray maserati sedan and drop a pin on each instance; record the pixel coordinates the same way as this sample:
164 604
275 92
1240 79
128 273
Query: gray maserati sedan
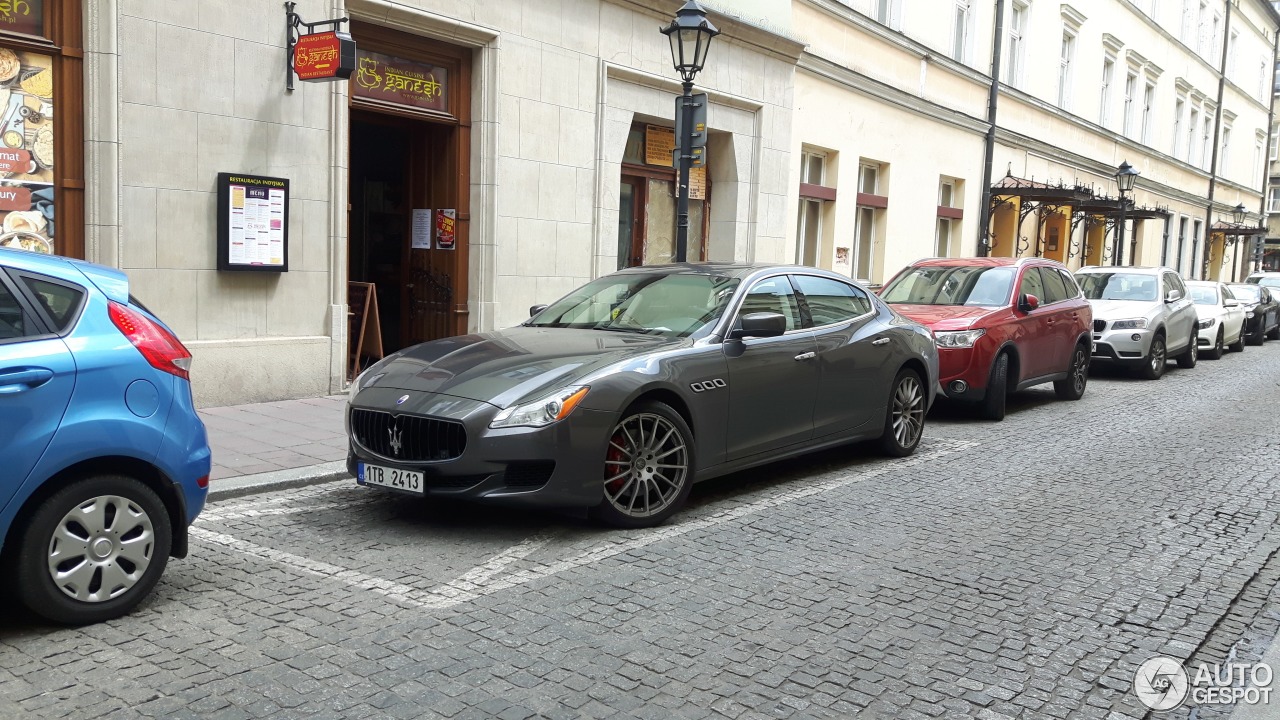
621 395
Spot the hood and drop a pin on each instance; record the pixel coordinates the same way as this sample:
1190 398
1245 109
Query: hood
946 317
508 366
1121 309
1210 311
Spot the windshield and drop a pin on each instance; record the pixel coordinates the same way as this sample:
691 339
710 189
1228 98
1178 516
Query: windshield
1268 281
1248 293
1119 286
653 304
951 285
1201 295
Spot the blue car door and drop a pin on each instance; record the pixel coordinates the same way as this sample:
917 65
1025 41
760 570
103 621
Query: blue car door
37 374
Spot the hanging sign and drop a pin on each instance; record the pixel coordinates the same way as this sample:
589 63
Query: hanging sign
400 82
253 223
324 56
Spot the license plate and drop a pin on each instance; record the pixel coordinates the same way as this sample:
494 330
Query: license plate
395 478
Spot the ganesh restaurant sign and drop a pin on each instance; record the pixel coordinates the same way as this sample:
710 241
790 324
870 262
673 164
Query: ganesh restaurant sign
22 16
324 56
400 82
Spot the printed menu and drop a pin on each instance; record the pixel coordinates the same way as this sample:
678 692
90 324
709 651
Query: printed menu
253 227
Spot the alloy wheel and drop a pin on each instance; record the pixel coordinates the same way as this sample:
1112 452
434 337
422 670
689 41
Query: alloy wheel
908 411
1079 371
1157 355
101 548
647 465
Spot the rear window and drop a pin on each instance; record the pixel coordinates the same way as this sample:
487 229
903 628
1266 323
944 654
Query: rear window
61 302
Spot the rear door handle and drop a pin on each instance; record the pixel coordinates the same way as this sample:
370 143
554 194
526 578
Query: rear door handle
881 341
807 356
16 380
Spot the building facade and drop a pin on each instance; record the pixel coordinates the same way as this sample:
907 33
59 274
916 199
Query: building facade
486 156
1180 90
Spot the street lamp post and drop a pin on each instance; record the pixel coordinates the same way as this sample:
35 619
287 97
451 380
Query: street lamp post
1125 177
1238 213
690 35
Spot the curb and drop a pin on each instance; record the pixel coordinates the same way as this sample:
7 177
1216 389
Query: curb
277 480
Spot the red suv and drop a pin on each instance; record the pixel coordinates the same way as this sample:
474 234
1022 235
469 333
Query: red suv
1001 324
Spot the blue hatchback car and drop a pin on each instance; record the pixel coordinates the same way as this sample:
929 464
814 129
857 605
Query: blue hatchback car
103 460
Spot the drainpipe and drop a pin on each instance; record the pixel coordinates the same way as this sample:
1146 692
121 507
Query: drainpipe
1217 144
1255 257
993 94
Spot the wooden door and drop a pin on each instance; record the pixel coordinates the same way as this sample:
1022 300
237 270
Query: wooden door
430 282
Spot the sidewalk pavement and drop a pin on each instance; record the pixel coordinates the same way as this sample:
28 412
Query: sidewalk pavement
263 446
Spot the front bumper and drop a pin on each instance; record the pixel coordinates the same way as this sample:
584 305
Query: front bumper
1122 346
560 465
962 374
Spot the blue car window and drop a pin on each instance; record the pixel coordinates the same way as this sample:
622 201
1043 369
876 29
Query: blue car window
60 302
11 323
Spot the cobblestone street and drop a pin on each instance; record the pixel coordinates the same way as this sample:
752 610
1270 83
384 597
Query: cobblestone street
1020 569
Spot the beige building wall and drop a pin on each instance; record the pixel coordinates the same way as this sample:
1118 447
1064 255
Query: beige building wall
201 90
899 74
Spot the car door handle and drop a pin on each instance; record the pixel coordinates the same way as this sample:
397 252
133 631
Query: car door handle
807 356
881 341
18 380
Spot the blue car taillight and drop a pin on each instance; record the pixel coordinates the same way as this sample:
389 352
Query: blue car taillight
159 346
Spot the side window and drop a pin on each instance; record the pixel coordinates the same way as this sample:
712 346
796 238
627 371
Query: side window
12 324
61 302
1054 290
1173 282
773 295
1031 284
1226 293
831 301
1069 282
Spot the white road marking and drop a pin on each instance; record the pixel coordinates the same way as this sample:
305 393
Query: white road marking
480 581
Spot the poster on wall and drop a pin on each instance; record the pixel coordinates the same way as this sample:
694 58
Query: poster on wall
26 151
421 229
253 223
446 229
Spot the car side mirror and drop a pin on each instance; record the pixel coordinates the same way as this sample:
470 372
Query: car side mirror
1173 296
1028 302
760 324
535 309
1231 303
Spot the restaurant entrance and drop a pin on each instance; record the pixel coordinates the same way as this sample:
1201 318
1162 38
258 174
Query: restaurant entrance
408 201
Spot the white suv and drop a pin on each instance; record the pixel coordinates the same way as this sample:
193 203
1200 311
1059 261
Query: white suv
1142 316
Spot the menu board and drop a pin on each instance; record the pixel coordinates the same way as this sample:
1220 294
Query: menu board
26 150
659 141
253 223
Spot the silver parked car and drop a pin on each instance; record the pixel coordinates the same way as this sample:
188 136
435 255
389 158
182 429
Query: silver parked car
621 395
1142 316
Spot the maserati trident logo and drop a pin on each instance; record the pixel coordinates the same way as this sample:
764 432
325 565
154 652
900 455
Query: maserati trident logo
394 433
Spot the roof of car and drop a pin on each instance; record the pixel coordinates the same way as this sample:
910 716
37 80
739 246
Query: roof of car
1202 282
981 261
1125 268
55 265
730 269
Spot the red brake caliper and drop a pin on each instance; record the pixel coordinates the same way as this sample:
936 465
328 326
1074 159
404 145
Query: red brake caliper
617 462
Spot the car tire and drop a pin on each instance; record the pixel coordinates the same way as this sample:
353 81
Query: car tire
904 417
997 397
1273 334
1073 386
1157 355
1215 352
1189 356
110 563
670 439
1258 337
1238 345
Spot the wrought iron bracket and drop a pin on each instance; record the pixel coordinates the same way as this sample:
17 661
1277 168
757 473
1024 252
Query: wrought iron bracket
293 21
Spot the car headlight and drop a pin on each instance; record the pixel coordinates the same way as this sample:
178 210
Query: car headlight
958 338
1249 315
1207 323
1135 324
540 413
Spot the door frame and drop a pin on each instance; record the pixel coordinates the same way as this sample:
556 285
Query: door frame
455 165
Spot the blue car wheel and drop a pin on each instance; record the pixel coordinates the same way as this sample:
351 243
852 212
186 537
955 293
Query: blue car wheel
93 550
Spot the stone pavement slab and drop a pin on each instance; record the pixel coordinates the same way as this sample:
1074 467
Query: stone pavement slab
269 437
